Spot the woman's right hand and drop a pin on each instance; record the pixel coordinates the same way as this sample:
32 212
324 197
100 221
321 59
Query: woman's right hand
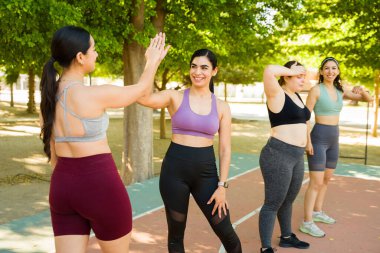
309 148
156 51
298 70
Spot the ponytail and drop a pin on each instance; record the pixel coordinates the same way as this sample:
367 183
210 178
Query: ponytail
211 85
49 88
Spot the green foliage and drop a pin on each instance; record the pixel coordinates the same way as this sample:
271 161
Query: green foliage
240 32
11 76
27 26
349 30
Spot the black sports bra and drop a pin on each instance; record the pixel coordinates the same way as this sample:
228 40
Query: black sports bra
291 113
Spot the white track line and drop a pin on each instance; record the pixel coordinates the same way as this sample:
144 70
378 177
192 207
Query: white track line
162 206
148 212
249 215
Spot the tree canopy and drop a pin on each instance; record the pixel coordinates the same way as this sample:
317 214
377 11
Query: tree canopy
245 35
349 30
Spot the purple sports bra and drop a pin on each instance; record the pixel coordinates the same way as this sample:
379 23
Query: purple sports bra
187 122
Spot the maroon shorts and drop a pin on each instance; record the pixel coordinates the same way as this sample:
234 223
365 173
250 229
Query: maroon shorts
87 193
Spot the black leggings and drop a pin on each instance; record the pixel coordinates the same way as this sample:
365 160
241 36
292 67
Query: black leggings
192 170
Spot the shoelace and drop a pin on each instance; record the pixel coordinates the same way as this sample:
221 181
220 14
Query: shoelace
324 214
315 227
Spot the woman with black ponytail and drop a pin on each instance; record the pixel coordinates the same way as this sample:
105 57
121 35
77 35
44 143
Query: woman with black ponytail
85 184
189 165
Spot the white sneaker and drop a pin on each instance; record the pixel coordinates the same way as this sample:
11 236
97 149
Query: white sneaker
312 229
323 217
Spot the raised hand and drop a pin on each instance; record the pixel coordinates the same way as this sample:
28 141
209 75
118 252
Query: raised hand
156 51
358 90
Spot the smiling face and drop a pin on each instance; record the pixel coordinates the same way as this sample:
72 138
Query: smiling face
201 71
329 71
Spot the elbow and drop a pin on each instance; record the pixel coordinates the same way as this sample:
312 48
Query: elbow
366 97
225 151
268 70
143 100
145 94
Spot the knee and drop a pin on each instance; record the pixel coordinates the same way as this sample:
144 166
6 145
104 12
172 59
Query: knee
228 236
326 179
272 206
316 186
222 226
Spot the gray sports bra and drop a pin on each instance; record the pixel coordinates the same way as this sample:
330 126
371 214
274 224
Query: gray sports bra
94 128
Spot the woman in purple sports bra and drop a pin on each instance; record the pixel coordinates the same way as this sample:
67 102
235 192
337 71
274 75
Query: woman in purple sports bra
189 164
86 192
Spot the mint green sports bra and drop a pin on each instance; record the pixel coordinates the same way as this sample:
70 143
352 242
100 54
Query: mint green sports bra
325 106
94 128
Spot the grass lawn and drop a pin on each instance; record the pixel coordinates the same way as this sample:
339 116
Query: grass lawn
22 158
25 174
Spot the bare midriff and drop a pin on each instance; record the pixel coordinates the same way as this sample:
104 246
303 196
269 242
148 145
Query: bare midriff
331 120
82 149
192 141
294 134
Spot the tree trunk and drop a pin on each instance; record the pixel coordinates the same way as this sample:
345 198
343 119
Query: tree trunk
138 135
376 104
158 22
162 123
165 80
225 92
12 101
31 88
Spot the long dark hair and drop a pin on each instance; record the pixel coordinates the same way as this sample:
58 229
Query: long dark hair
289 64
66 43
211 57
337 80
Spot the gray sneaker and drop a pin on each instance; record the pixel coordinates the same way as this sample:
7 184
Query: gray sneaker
323 217
312 230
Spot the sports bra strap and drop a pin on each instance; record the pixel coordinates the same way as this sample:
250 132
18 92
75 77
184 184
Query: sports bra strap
64 106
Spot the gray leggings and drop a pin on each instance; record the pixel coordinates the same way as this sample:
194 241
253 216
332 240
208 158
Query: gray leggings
282 166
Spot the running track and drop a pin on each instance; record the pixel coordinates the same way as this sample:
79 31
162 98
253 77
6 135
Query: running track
353 199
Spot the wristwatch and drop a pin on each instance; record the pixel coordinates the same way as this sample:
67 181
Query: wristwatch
224 184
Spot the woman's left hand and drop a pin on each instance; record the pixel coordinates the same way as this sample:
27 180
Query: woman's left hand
358 90
221 204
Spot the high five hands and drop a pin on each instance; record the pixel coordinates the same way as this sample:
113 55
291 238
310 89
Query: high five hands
157 51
